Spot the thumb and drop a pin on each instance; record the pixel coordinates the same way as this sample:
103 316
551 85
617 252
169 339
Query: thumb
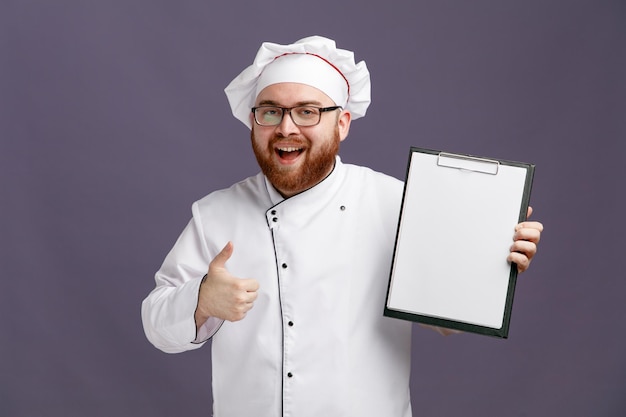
221 258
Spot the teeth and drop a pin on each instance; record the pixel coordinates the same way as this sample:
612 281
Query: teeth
289 149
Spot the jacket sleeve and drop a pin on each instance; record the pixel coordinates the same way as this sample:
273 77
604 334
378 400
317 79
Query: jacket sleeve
168 311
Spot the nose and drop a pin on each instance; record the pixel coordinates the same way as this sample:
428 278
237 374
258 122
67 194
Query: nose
287 126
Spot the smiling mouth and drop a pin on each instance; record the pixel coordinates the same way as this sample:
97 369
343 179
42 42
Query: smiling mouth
288 153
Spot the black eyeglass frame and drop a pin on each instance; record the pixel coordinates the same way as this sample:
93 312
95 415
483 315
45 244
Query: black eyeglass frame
289 109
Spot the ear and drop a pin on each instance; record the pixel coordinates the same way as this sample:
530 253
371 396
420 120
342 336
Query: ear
343 123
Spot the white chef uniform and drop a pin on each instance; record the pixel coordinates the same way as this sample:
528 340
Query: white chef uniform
316 342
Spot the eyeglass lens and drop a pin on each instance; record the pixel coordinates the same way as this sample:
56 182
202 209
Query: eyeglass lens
301 116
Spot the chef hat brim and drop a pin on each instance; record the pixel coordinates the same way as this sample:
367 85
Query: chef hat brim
242 91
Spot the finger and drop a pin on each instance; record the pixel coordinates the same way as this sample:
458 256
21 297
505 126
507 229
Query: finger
237 314
531 234
529 225
524 247
250 285
224 255
245 290
529 212
520 260
244 285
251 297
243 311
240 310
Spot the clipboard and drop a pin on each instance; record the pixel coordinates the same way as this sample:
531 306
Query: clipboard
454 234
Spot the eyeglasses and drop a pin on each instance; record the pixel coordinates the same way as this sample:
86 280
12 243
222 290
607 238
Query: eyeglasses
300 115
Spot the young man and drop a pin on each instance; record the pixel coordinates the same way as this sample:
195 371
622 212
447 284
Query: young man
298 256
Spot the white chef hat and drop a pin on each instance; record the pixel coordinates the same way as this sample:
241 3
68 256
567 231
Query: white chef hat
314 61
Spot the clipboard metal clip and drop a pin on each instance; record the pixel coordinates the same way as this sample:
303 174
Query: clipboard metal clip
468 163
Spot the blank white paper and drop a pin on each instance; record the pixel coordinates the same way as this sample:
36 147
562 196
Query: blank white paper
455 234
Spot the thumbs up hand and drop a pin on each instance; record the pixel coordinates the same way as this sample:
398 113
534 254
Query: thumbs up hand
222 295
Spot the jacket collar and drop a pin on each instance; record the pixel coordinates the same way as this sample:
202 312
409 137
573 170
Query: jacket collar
319 192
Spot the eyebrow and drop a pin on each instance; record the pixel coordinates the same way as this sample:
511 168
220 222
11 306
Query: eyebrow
298 104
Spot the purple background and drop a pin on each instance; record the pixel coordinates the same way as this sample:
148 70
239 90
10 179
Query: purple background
113 121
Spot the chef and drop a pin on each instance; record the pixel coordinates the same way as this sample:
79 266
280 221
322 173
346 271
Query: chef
286 271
